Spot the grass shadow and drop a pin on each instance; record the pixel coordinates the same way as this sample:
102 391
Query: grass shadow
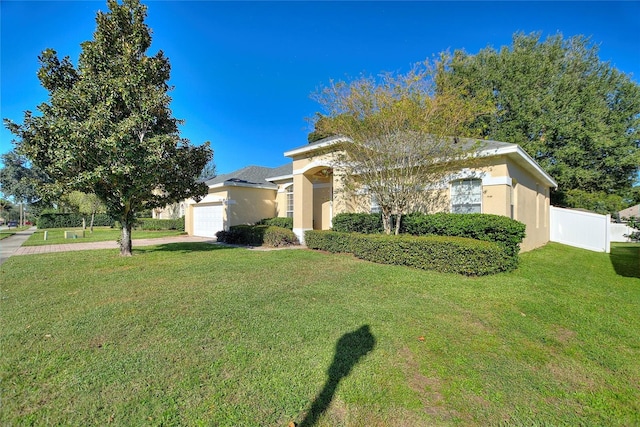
182 247
350 348
625 259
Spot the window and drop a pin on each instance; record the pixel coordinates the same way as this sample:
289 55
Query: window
375 207
466 196
290 201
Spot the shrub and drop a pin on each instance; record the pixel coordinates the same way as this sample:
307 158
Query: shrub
283 222
330 241
243 235
257 235
71 220
634 223
492 228
358 223
439 253
160 224
279 236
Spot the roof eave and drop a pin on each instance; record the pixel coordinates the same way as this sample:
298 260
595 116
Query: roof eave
323 143
265 186
532 165
280 178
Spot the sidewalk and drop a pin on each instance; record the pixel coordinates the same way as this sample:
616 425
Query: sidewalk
13 245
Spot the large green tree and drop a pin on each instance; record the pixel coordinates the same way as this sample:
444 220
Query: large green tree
401 133
576 115
107 127
20 180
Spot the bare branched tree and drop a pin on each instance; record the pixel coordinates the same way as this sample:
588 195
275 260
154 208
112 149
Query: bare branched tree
401 133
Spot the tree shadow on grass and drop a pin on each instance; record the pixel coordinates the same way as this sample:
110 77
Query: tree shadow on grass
182 247
626 260
350 348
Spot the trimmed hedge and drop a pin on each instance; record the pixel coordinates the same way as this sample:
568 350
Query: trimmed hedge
284 222
330 241
257 235
160 224
72 220
491 228
358 223
444 254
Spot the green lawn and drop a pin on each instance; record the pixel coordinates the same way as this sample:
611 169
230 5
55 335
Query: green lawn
6 232
197 334
55 236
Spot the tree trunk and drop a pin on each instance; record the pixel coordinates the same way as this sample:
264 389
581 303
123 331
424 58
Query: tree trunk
93 215
84 223
386 221
125 239
398 218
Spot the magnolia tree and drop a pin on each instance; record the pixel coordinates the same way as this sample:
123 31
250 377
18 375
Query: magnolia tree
401 134
107 128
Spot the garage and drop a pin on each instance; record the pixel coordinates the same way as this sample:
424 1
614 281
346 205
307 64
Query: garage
207 220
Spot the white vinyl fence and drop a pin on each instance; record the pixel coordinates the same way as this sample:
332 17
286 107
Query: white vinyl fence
584 230
618 231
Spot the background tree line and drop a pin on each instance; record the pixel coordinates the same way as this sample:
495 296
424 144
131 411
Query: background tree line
575 114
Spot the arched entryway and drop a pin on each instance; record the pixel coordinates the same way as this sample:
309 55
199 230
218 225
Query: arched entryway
313 199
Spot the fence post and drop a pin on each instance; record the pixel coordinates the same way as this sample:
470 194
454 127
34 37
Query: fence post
607 240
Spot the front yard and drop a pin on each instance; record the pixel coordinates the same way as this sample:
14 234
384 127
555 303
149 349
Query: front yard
197 334
55 236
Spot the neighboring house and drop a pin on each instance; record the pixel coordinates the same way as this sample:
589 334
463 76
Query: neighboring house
173 211
507 182
629 212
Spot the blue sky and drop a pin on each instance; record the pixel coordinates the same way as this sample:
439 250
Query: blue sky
243 72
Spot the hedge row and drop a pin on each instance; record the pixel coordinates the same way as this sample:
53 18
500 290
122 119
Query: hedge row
72 220
257 235
358 223
507 232
444 254
487 227
160 224
283 222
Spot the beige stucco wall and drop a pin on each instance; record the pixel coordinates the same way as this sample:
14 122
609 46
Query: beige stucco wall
322 206
249 205
531 206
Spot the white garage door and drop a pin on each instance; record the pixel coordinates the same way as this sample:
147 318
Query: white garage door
207 220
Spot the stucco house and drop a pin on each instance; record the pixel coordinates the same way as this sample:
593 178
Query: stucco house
507 181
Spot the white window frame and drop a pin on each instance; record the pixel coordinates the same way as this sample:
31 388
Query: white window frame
375 206
289 192
462 206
